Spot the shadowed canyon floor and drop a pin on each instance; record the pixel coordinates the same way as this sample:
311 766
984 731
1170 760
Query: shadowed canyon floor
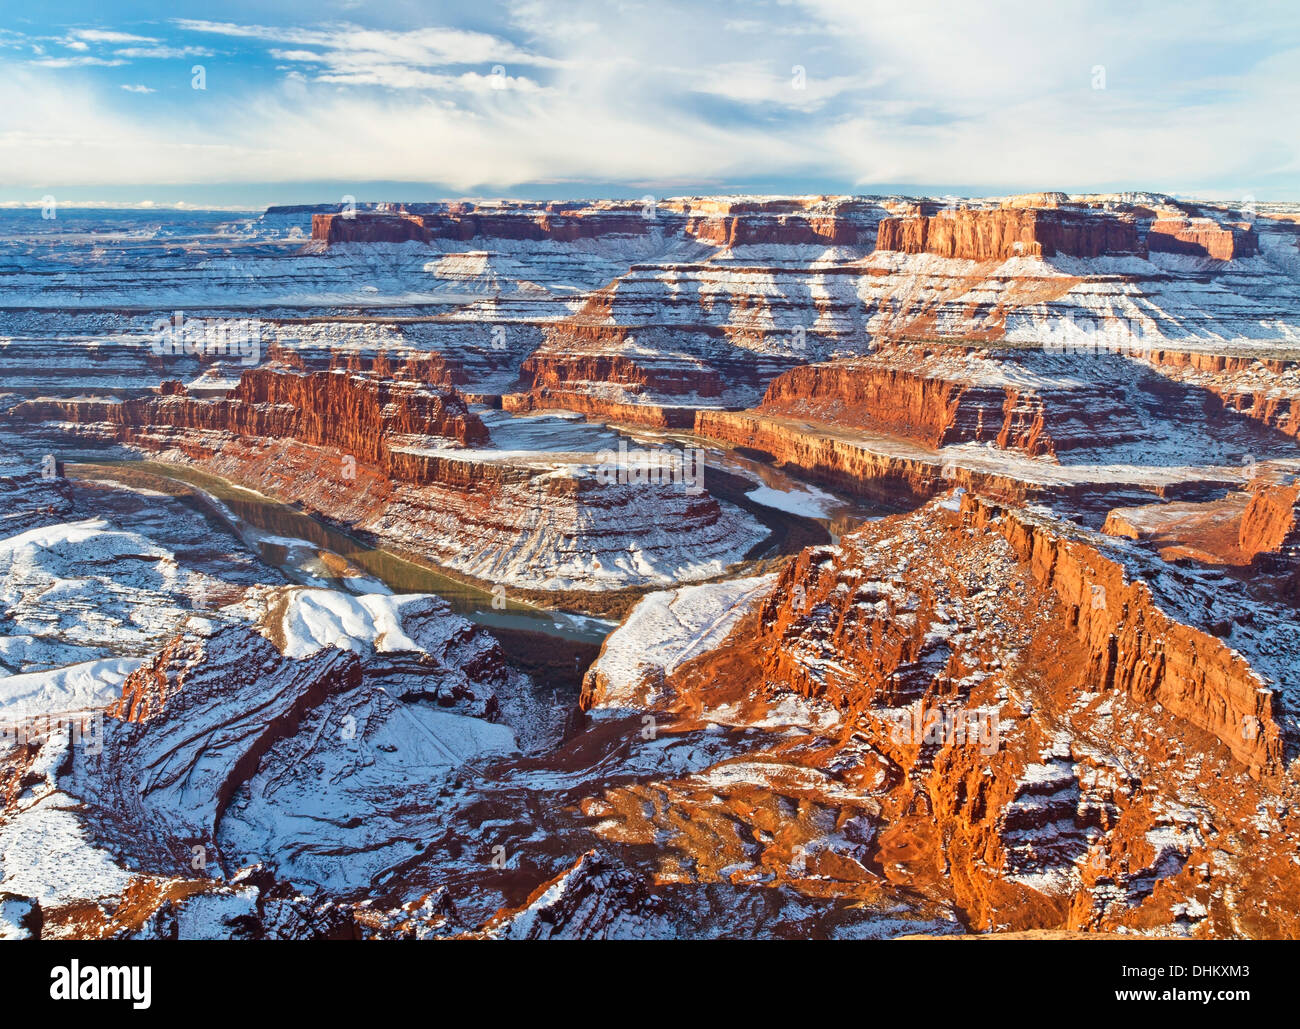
847 567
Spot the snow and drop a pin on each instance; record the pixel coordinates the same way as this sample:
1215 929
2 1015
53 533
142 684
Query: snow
74 688
212 916
809 501
319 618
46 849
668 628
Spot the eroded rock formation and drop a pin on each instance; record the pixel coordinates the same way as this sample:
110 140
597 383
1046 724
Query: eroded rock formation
998 234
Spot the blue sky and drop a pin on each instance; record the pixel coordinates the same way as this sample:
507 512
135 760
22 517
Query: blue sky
307 102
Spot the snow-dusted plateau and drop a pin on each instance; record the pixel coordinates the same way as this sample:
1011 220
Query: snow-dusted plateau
848 567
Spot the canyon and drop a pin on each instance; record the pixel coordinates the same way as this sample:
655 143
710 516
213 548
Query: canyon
846 567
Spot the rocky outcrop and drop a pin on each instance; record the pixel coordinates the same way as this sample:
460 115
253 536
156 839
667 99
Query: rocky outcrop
563 223
1271 522
939 399
584 903
189 791
358 415
989 707
1135 646
996 234
550 370
1202 237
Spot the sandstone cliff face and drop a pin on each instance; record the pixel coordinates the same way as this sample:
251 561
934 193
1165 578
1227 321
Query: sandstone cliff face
1271 522
561 223
937 400
1088 763
824 221
559 370
1263 388
593 368
359 415
998 234
1202 237
828 221
371 228
1136 647
885 478
626 411
739 229
899 474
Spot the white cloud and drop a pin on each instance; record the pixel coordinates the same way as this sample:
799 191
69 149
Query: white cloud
137 88
345 43
106 36
661 95
162 52
757 84
78 62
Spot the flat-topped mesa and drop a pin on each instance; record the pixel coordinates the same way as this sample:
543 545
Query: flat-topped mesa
560 370
367 228
938 398
356 414
1202 237
563 223
721 221
736 221
996 234
1040 225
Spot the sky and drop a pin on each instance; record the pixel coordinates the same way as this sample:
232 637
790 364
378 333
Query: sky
243 104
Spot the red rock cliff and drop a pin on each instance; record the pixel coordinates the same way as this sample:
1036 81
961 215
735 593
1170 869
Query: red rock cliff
1135 646
355 414
930 409
1202 237
998 234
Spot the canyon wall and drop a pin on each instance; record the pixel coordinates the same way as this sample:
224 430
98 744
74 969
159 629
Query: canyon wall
1271 522
1135 646
978 234
840 463
556 370
358 415
1202 237
1261 387
623 412
461 222
923 397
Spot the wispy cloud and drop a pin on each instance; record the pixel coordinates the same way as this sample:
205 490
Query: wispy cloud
106 36
162 52
667 94
79 61
349 44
